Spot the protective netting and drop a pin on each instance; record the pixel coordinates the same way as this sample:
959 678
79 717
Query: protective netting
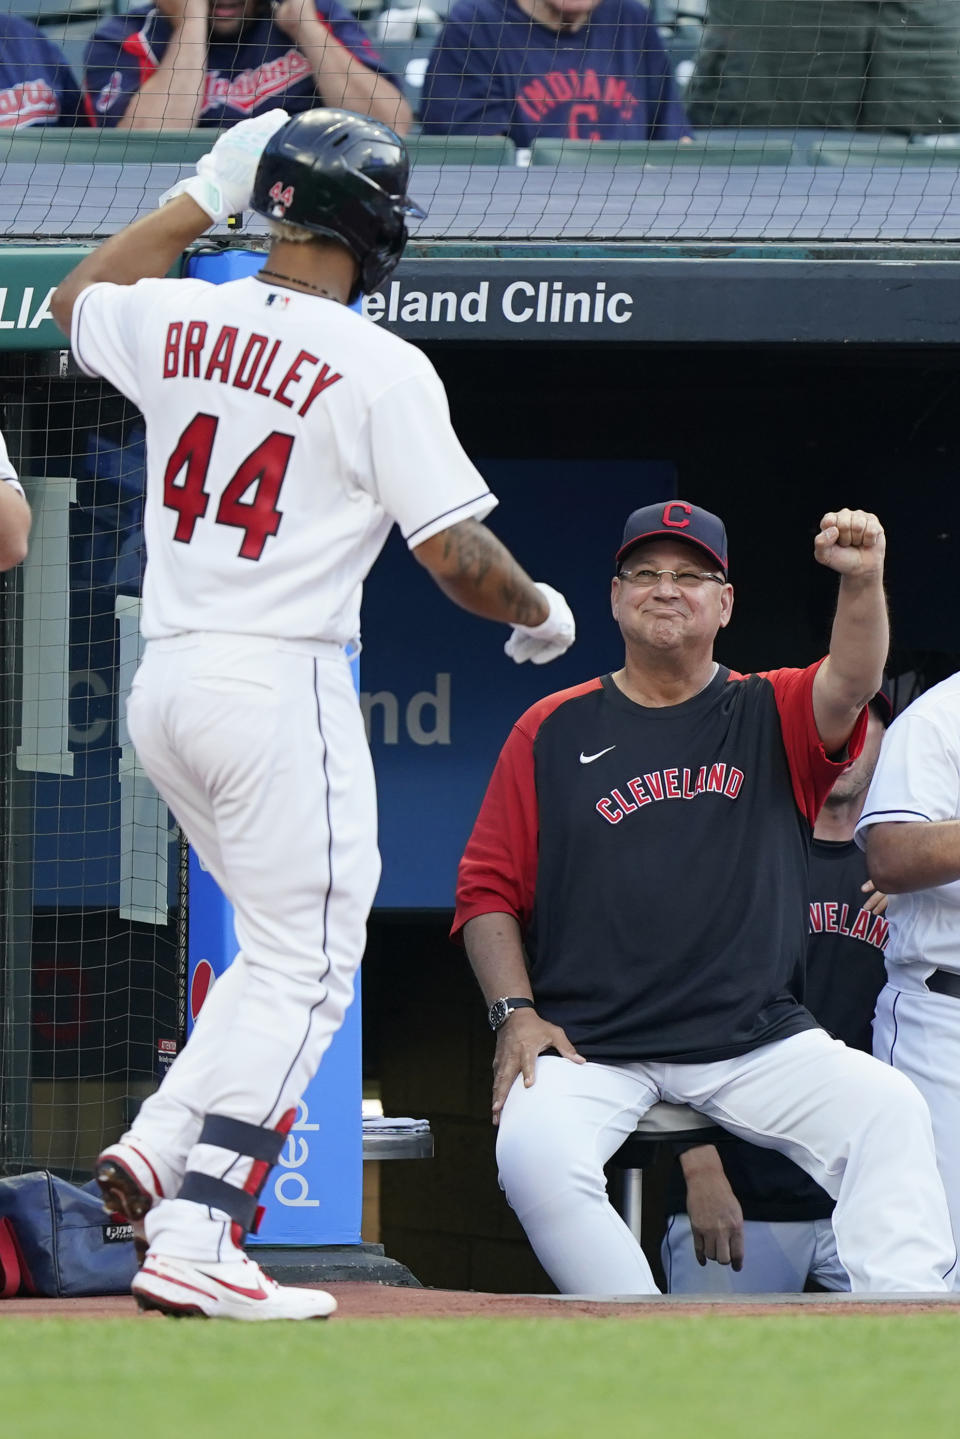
92 973
830 119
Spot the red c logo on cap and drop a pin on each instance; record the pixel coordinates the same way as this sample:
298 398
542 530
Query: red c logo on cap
677 504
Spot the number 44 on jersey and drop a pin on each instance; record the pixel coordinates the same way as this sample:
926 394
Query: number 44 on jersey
262 473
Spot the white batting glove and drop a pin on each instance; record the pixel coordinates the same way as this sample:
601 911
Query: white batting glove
547 641
224 180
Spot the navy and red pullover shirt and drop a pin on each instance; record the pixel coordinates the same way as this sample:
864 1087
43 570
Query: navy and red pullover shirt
37 86
260 69
495 71
656 861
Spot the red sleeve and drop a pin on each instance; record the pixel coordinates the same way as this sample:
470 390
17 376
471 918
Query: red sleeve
498 871
812 772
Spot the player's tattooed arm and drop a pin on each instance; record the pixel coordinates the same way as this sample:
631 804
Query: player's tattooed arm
146 249
479 573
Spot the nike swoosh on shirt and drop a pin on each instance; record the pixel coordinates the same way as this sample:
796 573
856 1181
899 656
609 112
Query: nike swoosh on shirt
589 758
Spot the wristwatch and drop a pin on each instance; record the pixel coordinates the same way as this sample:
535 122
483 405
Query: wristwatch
501 1009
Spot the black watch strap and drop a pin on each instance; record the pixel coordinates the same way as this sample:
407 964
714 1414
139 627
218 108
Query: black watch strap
501 1009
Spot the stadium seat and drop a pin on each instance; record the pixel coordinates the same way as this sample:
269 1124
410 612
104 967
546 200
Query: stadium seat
72 37
661 154
671 1123
58 147
116 147
407 60
884 150
460 150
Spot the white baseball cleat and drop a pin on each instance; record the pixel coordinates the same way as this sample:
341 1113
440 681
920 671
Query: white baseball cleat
131 1176
234 1289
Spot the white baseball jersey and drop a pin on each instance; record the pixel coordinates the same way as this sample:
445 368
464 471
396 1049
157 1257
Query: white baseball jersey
7 473
917 779
285 434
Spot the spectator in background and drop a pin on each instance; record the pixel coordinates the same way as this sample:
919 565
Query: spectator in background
37 86
14 514
566 69
184 63
767 1223
849 64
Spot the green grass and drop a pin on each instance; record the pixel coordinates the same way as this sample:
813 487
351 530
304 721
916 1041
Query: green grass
710 1377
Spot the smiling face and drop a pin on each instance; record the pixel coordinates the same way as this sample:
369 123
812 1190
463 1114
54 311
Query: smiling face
666 617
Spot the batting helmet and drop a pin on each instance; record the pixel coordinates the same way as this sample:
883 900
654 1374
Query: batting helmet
342 175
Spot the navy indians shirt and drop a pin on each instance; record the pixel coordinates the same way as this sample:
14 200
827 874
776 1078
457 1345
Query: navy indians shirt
656 860
259 69
495 71
844 975
37 86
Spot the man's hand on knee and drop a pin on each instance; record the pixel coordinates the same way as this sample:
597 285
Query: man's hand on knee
520 1041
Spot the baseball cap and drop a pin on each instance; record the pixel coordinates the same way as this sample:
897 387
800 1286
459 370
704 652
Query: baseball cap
676 520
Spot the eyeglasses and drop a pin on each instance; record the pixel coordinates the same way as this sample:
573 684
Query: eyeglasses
685 579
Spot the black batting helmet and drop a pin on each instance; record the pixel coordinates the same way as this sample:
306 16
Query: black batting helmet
342 175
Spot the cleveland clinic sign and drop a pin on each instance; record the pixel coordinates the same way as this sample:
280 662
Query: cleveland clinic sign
533 304
585 298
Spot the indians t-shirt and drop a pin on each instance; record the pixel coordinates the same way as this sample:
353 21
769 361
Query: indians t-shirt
37 86
495 71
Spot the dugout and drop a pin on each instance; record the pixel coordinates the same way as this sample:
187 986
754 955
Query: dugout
767 380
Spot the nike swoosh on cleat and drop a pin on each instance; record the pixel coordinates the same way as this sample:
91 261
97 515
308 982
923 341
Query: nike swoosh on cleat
237 1289
589 758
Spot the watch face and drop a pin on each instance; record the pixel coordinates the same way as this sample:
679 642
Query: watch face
498 1013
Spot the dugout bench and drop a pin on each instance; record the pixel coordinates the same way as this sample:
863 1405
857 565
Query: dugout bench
664 1123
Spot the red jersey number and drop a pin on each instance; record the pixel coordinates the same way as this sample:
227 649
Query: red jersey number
263 472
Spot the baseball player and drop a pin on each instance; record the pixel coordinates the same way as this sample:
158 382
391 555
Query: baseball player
612 985
910 828
285 435
14 514
765 1221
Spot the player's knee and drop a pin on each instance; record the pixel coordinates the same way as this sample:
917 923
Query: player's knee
892 1103
537 1161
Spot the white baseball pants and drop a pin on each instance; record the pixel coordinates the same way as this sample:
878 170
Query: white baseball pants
778 1258
918 1032
258 747
860 1129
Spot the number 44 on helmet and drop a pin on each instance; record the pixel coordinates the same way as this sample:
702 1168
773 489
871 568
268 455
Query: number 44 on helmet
343 175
